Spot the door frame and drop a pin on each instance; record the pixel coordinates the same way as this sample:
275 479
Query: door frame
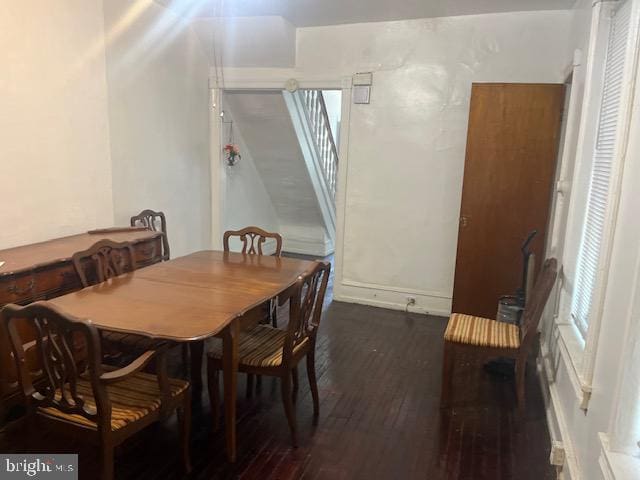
268 82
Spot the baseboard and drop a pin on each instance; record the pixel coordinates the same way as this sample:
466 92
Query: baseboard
393 299
556 422
306 246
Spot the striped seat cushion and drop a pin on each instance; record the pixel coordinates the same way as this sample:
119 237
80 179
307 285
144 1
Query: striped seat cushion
483 332
131 400
259 347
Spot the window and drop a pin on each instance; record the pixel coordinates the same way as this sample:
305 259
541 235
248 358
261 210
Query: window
590 250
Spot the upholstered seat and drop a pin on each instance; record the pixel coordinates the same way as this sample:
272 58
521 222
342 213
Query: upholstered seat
69 353
472 330
131 400
267 350
262 346
489 338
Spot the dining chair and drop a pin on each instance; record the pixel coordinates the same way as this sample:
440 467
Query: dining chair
270 351
150 219
106 259
78 396
489 338
253 238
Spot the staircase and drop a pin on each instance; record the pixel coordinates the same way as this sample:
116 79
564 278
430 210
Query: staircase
288 138
311 123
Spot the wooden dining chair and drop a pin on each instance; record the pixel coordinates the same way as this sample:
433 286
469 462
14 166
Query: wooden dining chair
78 396
265 350
489 338
253 239
157 222
106 259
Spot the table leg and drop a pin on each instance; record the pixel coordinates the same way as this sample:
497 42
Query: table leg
230 372
196 350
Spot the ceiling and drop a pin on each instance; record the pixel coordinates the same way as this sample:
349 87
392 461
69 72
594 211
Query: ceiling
307 13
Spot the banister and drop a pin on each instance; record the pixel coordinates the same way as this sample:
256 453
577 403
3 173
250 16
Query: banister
318 118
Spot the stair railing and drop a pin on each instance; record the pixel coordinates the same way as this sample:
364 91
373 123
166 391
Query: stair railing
316 112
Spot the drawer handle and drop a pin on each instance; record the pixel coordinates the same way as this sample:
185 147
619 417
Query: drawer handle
16 291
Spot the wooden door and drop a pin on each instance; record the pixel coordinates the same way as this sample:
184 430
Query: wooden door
512 145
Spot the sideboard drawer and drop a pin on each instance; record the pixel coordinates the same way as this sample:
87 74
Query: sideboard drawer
19 288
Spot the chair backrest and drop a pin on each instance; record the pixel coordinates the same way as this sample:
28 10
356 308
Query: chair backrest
252 240
57 339
305 307
103 260
537 301
155 221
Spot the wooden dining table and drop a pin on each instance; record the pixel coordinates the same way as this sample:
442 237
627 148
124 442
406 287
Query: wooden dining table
190 299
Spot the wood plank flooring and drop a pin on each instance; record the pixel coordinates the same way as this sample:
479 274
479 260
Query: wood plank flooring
379 380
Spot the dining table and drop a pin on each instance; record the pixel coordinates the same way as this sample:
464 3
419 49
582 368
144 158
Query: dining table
191 299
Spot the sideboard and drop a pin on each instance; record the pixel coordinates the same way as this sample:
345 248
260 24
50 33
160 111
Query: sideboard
44 270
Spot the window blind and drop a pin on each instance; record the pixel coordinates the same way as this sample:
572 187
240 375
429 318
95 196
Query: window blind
598 198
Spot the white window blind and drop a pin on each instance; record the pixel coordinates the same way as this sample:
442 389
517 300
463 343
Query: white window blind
603 156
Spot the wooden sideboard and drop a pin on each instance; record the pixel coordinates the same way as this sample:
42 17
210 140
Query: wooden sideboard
44 270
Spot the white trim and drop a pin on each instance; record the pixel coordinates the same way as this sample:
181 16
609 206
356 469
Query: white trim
603 458
342 185
392 298
572 355
558 430
218 185
306 246
616 466
253 81
392 288
257 80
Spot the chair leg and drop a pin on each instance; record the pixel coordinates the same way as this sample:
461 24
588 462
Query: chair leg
214 395
448 360
250 378
184 421
313 384
285 385
107 460
294 378
521 367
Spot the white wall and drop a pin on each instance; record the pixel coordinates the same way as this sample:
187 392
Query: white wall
249 41
157 73
406 149
54 129
246 200
401 175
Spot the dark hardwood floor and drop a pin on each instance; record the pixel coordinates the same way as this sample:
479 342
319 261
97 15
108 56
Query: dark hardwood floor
379 380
